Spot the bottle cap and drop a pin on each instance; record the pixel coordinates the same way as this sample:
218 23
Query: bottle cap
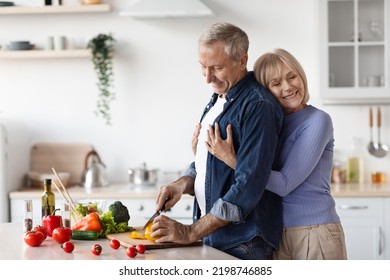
47 181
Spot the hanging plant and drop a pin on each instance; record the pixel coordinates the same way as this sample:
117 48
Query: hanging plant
102 47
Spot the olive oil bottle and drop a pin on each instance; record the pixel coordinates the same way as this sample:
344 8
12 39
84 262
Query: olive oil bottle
48 199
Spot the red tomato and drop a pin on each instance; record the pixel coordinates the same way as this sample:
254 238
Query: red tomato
67 246
115 244
61 234
96 249
33 238
42 230
140 248
131 252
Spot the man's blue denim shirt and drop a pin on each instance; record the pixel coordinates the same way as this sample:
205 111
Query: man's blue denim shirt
239 195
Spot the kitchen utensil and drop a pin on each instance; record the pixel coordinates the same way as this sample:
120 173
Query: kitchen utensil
372 147
155 215
94 173
126 241
64 193
143 176
382 148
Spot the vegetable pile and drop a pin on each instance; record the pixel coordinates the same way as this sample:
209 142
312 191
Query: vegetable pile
115 220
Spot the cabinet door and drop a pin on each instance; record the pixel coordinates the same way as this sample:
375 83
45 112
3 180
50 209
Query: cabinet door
387 228
363 224
354 51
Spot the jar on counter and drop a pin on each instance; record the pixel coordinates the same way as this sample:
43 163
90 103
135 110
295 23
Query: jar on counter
355 168
28 215
66 215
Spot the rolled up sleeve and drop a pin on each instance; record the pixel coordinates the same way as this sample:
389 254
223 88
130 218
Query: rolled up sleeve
226 211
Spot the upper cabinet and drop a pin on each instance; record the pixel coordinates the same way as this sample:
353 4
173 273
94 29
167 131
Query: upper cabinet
355 56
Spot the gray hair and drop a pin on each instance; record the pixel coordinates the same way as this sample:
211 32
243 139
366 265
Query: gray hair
235 39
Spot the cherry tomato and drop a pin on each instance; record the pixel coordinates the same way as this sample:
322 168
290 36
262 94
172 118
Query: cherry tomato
140 248
131 252
96 249
61 234
115 244
42 230
67 246
33 238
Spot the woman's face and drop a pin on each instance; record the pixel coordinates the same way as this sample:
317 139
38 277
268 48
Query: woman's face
288 89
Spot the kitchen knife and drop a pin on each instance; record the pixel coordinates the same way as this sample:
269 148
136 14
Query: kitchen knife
155 215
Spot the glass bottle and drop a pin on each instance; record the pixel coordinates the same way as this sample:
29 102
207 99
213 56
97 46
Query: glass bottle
354 168
48 199
66 215
28 215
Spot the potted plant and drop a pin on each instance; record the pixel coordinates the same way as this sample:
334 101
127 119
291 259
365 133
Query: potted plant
102 47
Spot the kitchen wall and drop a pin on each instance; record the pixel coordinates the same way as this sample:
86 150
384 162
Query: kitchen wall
160 92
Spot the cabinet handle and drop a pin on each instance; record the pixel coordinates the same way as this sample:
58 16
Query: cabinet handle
381 241
353 207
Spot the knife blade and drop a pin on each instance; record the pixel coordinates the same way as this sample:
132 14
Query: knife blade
155 215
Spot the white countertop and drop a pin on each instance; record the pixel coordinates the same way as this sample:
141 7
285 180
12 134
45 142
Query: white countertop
16 249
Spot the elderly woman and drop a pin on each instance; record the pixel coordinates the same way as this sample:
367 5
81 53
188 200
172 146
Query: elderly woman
302 170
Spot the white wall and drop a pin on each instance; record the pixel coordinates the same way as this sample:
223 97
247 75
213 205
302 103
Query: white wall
160 91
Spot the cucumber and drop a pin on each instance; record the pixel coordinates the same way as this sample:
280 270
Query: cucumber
84 234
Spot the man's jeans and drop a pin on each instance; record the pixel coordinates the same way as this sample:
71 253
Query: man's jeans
255 249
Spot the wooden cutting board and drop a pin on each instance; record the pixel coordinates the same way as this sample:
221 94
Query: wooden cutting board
64 157
125 240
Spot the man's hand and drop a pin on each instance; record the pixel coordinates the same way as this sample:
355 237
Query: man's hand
173 192
169 230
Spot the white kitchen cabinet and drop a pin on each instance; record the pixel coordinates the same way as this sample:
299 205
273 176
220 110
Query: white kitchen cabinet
387 228
363 221
354 48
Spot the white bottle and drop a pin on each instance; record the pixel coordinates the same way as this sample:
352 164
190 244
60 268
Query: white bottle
355 168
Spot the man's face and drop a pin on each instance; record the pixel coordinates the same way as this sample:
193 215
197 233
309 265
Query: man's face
220 71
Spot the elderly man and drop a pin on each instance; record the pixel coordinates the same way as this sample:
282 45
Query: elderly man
233 211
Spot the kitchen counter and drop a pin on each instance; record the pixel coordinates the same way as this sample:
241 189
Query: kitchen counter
129 191
361 190
16 249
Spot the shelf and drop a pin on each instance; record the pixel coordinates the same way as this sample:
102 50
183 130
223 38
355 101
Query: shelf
15 10
46 54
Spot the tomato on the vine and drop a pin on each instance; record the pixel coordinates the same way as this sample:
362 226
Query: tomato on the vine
61 234
42 230
115 244
131 252
33 238
96 249
67 246
140 248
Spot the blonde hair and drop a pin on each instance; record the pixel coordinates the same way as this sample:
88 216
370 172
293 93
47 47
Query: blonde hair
270 65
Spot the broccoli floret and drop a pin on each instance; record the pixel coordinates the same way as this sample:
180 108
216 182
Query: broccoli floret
119 212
